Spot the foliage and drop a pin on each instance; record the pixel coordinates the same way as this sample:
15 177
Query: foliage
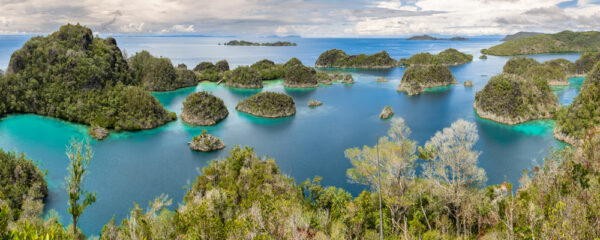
339 59
243 77
299 76
519 65
268 104
448 57
565 41
204 107
269 70
20 180
416 79
79 155
586 62
563 65
158 74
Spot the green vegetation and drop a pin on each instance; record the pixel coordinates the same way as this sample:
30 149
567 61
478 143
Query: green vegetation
243 77
562 65
299 76
573 121
586 63
561 42
202 108
416 79
448 57
74 76
324 78
335 58
554 72
158 74
268 104
519 35
519 65
512 99
269 70
206 71
79 155
206 142
268 44
430 38
21 183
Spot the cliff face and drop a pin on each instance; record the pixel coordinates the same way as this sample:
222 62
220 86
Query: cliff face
565 41
512 99
202 108
336 58
268 105
416 79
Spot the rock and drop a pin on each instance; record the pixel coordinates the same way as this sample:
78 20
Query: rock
386 113
417 79
203 109
468 83
314 103
324 78
98 132
268 105
483 56
206 143
348 79
382 79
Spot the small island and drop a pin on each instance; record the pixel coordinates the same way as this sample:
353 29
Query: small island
324 78
206 142
386 113
207 71
268 70
430 38
314 103
448 57
573 121
243 77
158 74
512 99
203 109
381 79
554 72
468 83
98 133
416 79
267 44
299 76
335 58
562 42
348 79
268 105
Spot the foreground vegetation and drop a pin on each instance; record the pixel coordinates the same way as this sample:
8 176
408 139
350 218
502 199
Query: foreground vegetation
335 58
244 196
74 76
565 41
448 57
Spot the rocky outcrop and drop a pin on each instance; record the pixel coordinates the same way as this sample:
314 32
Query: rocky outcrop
299 76
243 77
97 132
203 109
314 103
382 79
468 83
386 113
206 143
268 105
335 58
348 79
416 79
324 78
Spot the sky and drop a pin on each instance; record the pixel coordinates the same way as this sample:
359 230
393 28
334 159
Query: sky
307 18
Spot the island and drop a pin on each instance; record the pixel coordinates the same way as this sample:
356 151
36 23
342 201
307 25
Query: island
268 105
553 72
483 57
314 103
267 44
573 121
207 71
243 77
336 58
324 78
562 42
386 113
381 79
203 109
348 79
98 133
206 142
468 83
416 79
74 76
430 38
586 63
519 35
299 76
268 70
513 99
158 74
448 57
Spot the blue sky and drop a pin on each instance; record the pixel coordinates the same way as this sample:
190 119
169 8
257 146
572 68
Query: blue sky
311 18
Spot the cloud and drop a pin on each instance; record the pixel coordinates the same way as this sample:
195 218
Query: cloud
333 18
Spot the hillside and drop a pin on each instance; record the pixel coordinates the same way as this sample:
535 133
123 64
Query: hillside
519 35
561 42
448 57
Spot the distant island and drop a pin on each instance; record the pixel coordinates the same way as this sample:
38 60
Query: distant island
428 37
267 44
561 42
336 58
203 109
74 76
268 105
519 35
416 79
448 57
520 94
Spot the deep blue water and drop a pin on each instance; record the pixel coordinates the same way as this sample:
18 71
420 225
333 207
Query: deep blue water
136 167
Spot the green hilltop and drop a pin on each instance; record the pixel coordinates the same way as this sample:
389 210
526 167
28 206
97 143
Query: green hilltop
565 41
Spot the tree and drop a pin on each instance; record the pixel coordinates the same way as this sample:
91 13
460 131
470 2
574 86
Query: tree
397 161
80 155
453 163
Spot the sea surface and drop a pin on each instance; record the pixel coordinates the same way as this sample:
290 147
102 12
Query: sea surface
136 167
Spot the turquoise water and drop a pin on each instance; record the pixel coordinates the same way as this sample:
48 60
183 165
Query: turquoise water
137 166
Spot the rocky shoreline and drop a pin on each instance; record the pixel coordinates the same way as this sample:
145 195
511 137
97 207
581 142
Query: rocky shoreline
206 143
507 120
559 135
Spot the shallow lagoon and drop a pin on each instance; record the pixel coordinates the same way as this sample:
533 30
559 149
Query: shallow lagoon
137 166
